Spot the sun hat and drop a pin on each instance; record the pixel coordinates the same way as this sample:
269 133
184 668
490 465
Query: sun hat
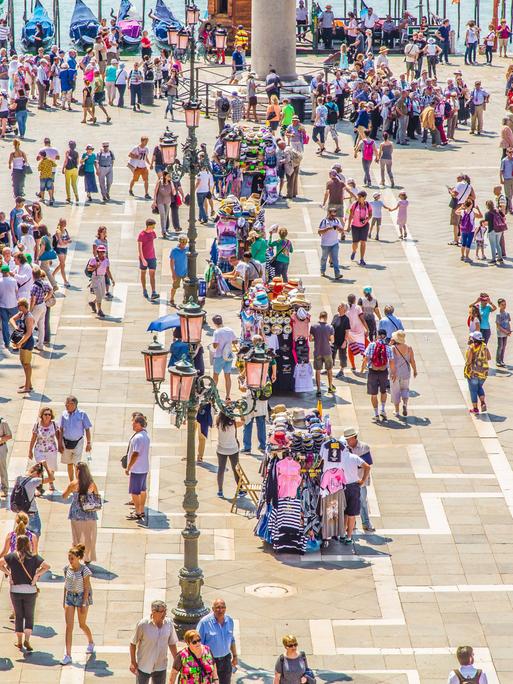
476 335
367 289
279 408
350 432
299 417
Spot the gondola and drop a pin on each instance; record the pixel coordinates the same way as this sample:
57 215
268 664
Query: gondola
129 24
163 19
39 16
84 26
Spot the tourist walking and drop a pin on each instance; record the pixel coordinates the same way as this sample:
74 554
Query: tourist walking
22 338
331 232
74 425
195 663
503 325
292 665
78 596
99 269
217 633
401 367
385 153
147 257
163 197
70 171
105 161
43 445
362 450
82 514
227 448
467 671
378 355
138 467
138 163
477 357
5 436
89 170
149 646
18 165
24 570
40 293
63 240
359 218
135 79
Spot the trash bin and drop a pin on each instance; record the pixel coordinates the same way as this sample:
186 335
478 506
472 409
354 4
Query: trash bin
298 102
147 90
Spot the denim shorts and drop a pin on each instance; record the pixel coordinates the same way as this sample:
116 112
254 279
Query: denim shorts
61 250
152 265
137 483
221 366
76 599
45 184
466 239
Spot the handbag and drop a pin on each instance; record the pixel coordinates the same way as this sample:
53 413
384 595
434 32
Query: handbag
27 169
16 336
51 301
124 458
81 170
90 502
70 443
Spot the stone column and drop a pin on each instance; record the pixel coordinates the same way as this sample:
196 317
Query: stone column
273 38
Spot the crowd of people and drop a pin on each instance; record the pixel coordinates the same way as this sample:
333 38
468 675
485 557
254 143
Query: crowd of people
363 335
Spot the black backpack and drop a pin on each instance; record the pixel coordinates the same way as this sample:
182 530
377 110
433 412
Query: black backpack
224 105
19 498
332 113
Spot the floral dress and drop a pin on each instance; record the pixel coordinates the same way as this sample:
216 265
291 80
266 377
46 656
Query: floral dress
194 670
45 448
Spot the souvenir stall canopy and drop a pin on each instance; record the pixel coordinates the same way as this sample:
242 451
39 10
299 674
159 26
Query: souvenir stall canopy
302 502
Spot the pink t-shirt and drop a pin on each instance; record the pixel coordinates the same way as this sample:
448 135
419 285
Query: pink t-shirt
289 477
353 313
100 267
146 239
361 214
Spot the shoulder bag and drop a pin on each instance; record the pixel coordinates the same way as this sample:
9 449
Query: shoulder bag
90 502
26 571
124 459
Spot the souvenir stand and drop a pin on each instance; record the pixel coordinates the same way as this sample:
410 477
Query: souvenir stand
234 219
258 164
302 501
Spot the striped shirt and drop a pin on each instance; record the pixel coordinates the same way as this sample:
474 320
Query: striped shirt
74 579
237 109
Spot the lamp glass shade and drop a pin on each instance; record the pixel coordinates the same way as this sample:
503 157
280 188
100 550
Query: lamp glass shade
221 37
191 328
181 384
168 153
172 36
233 149
192 15
155 363
192 117
183 40
256 373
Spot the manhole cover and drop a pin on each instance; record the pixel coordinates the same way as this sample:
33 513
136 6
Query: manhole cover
270 590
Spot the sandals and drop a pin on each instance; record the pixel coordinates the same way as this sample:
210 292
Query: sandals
135 516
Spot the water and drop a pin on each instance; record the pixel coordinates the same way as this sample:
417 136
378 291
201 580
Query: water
177 7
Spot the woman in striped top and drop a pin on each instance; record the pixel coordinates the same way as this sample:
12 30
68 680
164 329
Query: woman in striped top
77 594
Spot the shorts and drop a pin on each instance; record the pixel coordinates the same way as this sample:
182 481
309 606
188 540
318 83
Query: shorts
455 218
466 239
176 282
220 365
26 357
352 492
157 677
410 66
377 380
76 599
140 173
61 250
152 265
375 222
318 132
74 455
99 98
360 233
237 75
325 360
341 353
160 168
4 115
45 184
280 172
252 100
137 483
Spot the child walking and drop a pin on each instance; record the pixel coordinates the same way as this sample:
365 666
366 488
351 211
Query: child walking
402 213
377 205
479 237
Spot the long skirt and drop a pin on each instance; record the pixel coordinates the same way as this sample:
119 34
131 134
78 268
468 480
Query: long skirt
84 532
332 514
90 182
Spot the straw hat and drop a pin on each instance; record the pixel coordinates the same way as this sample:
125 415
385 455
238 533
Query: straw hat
279 408
281 303
383 49
299 417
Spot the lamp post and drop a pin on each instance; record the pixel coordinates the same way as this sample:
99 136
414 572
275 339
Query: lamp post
187 391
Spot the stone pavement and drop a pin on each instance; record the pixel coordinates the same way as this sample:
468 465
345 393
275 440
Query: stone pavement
439 570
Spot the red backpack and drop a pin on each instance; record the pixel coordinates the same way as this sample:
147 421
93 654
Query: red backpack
379 359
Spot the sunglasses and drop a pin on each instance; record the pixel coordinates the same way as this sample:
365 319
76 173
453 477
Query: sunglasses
292 645
195 641
47 413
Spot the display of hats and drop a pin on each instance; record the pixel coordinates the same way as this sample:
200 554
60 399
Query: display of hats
277 329
302 314
287 329
279 408
281 303
279 439
267 329
299 417
260 301
300 299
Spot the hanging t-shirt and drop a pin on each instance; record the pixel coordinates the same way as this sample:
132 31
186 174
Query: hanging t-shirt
303 378
289 478
300 328
331 453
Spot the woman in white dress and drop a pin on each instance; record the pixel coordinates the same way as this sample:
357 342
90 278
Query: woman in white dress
43 445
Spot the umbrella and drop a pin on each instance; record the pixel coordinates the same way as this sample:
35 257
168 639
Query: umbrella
164 323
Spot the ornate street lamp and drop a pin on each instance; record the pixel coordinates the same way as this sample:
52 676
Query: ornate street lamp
191 15
221 36
191 317
187 392
192 114
183 40
172 37
168 145
232 148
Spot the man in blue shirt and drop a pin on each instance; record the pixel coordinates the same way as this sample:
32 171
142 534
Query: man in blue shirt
390 323
73 425
216 632
178 265
237 65
506 176
444 34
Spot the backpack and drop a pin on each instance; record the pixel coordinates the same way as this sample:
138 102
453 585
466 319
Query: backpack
332 113
499 222
55 242
379 359
224 105
447 110
468 680
368 149
19 498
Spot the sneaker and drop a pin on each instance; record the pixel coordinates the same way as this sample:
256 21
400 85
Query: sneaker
332 389
241 495
340 375
154 295
93 306
405 411
362 262
101 314
90 648
375 418
339 276
474 410
348 540
369 528
220 495
318 393
66 659
353 254
383 415
145 294
245 451
146 196
131 193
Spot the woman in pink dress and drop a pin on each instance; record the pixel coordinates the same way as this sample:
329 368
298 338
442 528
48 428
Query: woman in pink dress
357 335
